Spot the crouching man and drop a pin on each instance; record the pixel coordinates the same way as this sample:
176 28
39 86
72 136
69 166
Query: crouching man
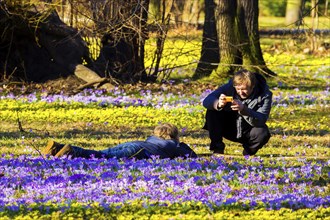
238 111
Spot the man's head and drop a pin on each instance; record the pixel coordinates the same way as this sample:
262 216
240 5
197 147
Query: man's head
167 131
244 82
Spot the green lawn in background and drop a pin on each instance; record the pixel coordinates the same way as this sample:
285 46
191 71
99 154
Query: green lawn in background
279 22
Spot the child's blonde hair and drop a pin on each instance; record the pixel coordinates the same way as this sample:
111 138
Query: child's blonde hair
167 131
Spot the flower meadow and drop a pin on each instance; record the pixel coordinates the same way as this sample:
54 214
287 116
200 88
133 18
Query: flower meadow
288 179
214 187
116 107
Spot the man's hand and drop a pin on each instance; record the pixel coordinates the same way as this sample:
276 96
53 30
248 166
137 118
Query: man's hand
237 105
222 101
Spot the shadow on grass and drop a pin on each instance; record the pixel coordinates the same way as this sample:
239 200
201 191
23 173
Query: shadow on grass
265 156
106 134
83 133
277 131
282 131
9 135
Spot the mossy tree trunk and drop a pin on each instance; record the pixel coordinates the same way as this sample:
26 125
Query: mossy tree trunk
248 35
238 39
227 37
36 45
210 56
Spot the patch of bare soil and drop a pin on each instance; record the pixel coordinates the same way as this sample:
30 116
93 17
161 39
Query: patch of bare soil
72 85
57 86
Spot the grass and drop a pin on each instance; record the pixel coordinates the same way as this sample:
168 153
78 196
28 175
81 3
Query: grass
279 22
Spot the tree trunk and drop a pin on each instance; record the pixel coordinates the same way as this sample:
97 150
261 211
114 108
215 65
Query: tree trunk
122 51
196 9
210 47
154 9
225 16
190 13
248 35
238 40
185 13
37 46
293 13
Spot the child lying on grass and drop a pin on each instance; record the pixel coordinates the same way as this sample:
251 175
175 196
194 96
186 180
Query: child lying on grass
164 143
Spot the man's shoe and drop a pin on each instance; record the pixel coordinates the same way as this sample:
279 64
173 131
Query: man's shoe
218 148
245 153
65 151
249 152
52 148
219 151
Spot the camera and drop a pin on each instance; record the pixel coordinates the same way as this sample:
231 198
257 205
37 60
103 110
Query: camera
229 99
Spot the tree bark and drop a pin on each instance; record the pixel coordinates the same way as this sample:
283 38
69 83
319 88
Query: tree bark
122 51
185 13
248 35
37 46
210 56
155 9
293 13
227 37
238 40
